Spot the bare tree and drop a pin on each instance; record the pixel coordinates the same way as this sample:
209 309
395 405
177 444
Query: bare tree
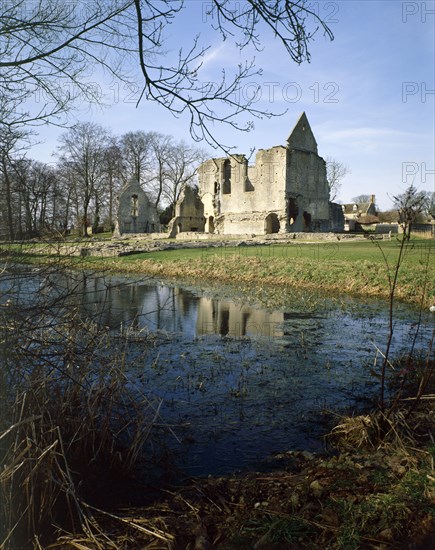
361 199
410 205
82 150
183 162
162 150
114 175
161 165
66 207
336 171
12 150
136 148
50 47
35 187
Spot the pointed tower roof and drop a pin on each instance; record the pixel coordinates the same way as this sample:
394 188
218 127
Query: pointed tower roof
302 136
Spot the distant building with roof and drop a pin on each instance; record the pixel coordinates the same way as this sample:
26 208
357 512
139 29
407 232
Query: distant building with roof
357 216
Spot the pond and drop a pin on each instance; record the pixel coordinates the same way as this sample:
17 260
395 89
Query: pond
242 376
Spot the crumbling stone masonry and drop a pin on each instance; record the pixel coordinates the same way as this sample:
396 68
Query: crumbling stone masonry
285 191
136 214
189 213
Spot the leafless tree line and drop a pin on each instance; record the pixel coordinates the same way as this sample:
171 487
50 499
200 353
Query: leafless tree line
49 49
79 189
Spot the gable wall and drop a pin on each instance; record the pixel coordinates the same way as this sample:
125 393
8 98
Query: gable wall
307 181
141 218
286 189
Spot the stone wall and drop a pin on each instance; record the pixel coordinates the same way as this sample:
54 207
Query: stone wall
286 190
135 212
189 213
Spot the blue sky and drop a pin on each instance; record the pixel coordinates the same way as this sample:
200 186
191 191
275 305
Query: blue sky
369 94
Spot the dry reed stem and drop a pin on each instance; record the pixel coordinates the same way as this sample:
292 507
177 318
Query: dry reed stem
82 415
157 533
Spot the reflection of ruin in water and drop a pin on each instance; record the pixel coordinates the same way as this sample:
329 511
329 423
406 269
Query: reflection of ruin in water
237 400
160 307
228 318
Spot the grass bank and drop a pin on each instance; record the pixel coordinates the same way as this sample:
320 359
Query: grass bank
358 268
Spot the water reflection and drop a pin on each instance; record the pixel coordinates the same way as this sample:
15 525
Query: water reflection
235 320
237 381
154 306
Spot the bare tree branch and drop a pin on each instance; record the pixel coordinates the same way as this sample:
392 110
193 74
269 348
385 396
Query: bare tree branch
336 171
46 45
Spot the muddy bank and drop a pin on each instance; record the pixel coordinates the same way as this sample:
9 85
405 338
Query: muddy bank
376 495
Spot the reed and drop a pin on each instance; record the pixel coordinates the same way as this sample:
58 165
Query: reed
70 414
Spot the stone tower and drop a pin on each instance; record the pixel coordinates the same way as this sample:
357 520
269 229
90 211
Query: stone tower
285 191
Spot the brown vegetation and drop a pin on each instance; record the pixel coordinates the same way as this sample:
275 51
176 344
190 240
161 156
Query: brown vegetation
375 494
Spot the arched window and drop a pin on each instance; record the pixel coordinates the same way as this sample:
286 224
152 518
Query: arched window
271 224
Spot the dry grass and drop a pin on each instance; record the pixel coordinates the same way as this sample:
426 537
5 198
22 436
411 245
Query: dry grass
393 430
71 415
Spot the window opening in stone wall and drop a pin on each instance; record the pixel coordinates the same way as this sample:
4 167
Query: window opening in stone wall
226 190
134 206
211 224
307 221
292 211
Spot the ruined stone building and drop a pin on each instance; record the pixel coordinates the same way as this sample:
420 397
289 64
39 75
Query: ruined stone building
285 191
189 213
135 213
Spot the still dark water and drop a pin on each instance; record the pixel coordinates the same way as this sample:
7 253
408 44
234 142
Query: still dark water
242 377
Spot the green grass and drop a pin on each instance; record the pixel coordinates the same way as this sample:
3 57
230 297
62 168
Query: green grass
274 529
340 251
389 510
357 267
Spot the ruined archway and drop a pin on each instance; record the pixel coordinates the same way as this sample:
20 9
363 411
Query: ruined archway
271 224
307 221
292 210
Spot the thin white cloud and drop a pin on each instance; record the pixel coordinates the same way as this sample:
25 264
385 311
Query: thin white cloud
214 54
368 132
368 139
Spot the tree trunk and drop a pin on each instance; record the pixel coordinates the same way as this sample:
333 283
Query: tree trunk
8 197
